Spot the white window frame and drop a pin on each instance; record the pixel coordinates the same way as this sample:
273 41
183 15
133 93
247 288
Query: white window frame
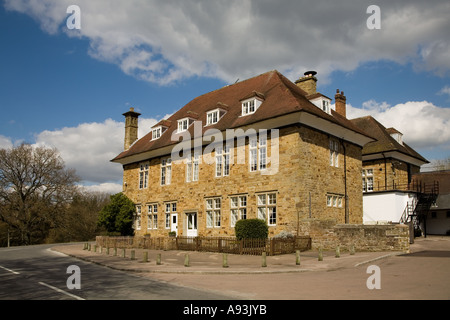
238 209
334 200
137 220
367 180
166 171
192 168
143 175
213 212
156 133
267 207
222 161
212 117
152 216
249 106
183 125
334 153
257 153
170 208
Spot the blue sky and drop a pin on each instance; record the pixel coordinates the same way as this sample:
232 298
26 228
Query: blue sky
60 87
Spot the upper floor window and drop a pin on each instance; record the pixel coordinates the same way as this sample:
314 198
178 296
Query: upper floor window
367 180
166 171
143 175
222 161
334 153
258 153
192 167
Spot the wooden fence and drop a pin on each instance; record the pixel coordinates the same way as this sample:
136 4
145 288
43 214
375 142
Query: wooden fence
272 246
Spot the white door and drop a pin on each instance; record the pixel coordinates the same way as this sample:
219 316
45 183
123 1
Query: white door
174 224
191 220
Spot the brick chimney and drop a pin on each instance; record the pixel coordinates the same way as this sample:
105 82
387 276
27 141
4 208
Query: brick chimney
340 103
131 128
308 82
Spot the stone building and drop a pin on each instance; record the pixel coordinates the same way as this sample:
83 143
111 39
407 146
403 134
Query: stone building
388 168
263 148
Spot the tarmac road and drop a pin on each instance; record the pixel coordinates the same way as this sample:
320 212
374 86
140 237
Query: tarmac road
424 274
38 273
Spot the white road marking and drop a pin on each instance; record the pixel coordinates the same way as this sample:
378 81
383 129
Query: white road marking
12 271
61 291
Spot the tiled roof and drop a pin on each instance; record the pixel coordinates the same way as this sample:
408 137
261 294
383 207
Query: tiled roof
384 142
280 95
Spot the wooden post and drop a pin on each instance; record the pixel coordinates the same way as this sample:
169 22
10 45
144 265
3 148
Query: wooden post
123 253
297 257
264 260
320 254
158 259
145 257
133 254
186 260
338 251
352 249
225 260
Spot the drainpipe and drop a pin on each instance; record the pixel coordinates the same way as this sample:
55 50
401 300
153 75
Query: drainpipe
385 171
345 183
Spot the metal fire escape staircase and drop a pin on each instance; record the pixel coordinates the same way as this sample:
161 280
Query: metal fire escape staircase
417 210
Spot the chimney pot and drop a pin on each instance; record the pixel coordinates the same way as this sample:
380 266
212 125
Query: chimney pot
340 103
308 82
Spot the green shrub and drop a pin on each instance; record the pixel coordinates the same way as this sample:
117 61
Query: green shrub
251 229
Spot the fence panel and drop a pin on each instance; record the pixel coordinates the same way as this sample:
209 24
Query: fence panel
273 246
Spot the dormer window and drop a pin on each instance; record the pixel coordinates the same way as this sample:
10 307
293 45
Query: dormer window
183 124
213 116
322 102
250 106
397 135
156 133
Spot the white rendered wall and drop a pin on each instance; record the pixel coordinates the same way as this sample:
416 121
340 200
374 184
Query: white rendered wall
384 207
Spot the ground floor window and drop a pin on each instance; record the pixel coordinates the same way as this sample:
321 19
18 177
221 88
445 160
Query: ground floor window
267 207
334 200
213 209
238 205
152 216
137 218
171 207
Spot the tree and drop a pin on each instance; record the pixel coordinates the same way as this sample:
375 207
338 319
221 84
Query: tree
35 187
79 222
118 215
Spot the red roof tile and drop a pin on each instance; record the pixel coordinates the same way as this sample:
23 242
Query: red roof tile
280 95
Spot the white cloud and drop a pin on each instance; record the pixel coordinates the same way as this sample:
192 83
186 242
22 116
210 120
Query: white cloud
89 147
164 41
5 142
110 188
424 125
445 91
